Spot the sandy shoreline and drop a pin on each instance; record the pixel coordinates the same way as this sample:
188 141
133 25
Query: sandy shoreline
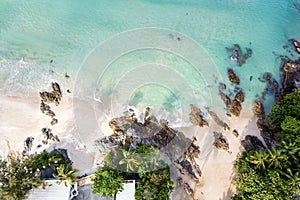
22 118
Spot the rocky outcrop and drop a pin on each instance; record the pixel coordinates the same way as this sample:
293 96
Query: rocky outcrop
50 97
218 121
49 136
225 99
291 76
235 108
237 54
262 125
272 87
28 144
240 96
197 117
233 77
258 109
181 151
187 188
220 142
252 142
187 165
266 133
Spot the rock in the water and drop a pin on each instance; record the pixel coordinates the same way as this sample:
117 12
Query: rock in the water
197 117
296 45
291 76
225 99
235 108
220 141
252 142
240 96
238 56
233 77
222 86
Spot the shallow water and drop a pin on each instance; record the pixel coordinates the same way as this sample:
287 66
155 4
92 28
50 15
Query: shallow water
163 54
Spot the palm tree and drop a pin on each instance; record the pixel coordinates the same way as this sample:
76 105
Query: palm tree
130 160
277 158
259 159
66 174
294 179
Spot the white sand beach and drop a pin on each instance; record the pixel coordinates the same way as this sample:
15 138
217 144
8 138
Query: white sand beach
22 118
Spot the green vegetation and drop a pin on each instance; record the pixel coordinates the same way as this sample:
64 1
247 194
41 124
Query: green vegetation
66 173
274 173
19 174
139 160
107 182
142 164
16 177
155 185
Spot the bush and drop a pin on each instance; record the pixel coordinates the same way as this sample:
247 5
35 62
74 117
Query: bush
107 182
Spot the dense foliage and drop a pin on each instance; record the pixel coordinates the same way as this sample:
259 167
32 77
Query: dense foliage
107 182
16 177
143 164
274 173
139 160
155 185
19 174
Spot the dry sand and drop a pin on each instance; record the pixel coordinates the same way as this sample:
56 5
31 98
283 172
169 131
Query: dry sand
21 118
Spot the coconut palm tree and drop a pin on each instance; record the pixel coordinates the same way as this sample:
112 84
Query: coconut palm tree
258 158
277 159
130 160
66 174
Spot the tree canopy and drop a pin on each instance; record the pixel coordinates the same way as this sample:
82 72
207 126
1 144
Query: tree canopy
274 173
143 164
16 177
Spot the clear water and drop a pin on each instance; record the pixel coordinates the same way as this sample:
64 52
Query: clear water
163 54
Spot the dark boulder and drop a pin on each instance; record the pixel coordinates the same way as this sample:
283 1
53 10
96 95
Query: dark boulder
252 142
233 77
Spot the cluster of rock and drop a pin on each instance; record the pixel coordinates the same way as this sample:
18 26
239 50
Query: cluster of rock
197 117
272 86
221 142
50 97
49 136
237 55
28 145
234 105
291 76
253 142
296 45
187 165
187 188
181 151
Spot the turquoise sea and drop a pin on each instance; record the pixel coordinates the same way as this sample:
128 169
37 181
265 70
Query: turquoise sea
165 54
